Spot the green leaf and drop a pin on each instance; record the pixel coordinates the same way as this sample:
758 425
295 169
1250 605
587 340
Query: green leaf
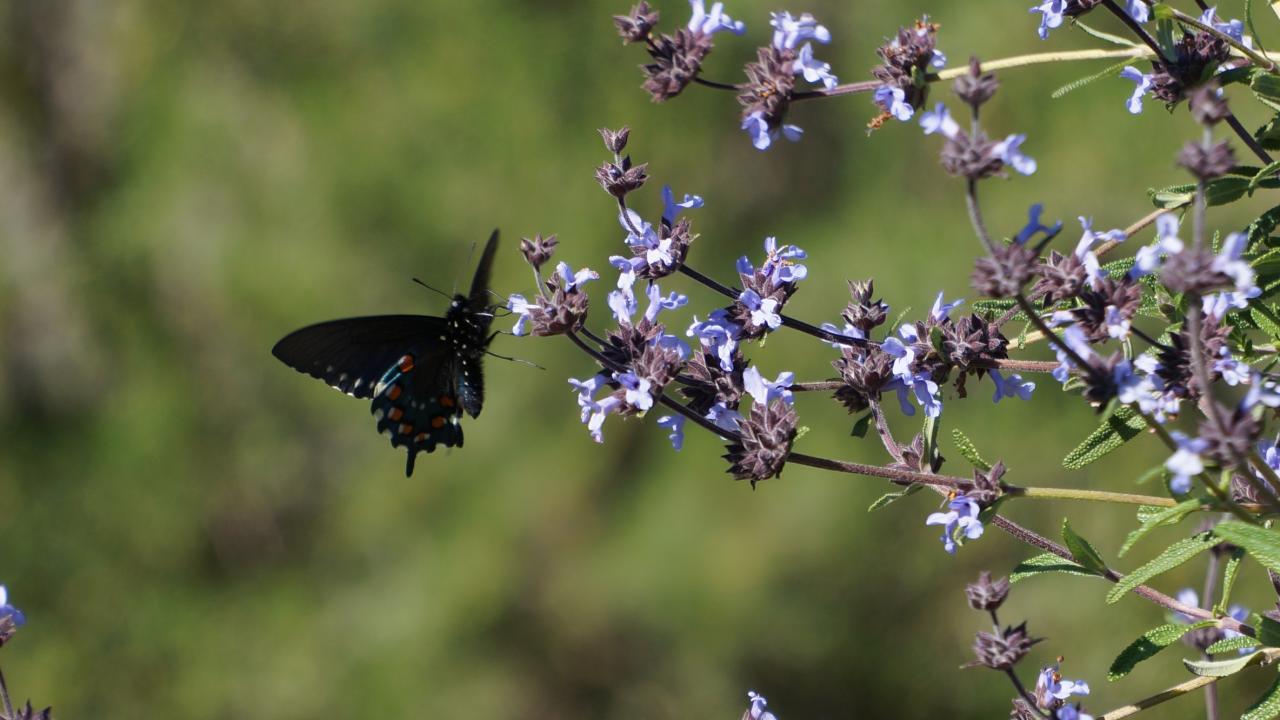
1229 580
1047 563
968 451
1266 319
1268 631
1263 225
1223 668
932 454
1262 544
1248 19
1226 645
1161 11
1082 550
860 427
1077 84
1267 86
1172 557
1108 37
1164 516
1219 191
1265 707
1148 644
1263 174
891 497
1116 429
1268 135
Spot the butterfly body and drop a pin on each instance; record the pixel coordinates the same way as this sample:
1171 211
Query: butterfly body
420 372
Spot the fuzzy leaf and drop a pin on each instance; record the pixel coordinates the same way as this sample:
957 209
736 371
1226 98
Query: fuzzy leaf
1082 550
1148 644
1266 222
1263 174
1226 645
1081 82
1172 557
861 425
1268 631
1265 707
1266 319
1223 668
1116 429
890 497
1229 579
968 451
1261 543
1219 191
1046 563
1268 136
1165 516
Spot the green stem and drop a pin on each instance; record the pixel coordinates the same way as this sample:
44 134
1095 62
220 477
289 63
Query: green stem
1176 691
1042 58
1090 495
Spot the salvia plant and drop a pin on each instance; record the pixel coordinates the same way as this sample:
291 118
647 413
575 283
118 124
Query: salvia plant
1166 327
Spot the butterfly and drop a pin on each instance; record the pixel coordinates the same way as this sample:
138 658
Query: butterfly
421 372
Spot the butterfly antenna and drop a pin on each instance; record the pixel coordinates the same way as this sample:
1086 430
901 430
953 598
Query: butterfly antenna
450 297
515 360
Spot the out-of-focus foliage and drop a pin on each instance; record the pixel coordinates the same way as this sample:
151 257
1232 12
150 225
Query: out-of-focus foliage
196 531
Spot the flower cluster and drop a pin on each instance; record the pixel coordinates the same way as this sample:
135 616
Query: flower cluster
908 57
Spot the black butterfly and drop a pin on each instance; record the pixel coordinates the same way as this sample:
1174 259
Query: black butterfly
421 371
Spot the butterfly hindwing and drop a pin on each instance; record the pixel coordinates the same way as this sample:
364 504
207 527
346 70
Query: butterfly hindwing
352 354
416 404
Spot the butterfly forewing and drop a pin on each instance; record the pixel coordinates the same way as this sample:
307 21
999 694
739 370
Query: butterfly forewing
352 354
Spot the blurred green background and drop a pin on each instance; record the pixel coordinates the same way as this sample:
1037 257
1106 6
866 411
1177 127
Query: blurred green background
196 531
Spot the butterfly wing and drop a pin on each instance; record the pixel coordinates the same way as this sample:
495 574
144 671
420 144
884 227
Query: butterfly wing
469 370
353 354
416 403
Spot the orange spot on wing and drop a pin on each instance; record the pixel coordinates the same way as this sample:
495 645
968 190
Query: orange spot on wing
447 401
406 429
395 414
393 392
406 363
437 422
421 438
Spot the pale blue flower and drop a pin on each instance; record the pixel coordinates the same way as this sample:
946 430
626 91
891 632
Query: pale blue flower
658 303
1034 226
1143 82
671 208
960 523
789 31
813 69
1261 392
941 310
1051 16
573 279
724 417
8 611
1052 689
762 136
708 23
939 120
1185 462
636 390
719 335
1013 386
1233 28
1138 10
764 312
520 307
757 711
1009 151
675 424
893 100
764 391
849 331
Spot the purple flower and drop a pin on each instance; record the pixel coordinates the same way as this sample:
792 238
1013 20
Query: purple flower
1073 712
757 711
658 303
1261 392
1138 10
941 310
519 307
636 390
939 120
1008 150
1074 339
724 417
764 391
903 353
719 335
849 331
1147 259
1232 370
780 262
573 279
671 208
1219 304
593 412
893 100
763 312
707 23
1228 262
1052 690
1051 15
959 523
1084 249
1034 225
813 69
1116 323
762 136
1185 462
922 388
789 31
1143 82
675 424
1233 29
1014 386
8 611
